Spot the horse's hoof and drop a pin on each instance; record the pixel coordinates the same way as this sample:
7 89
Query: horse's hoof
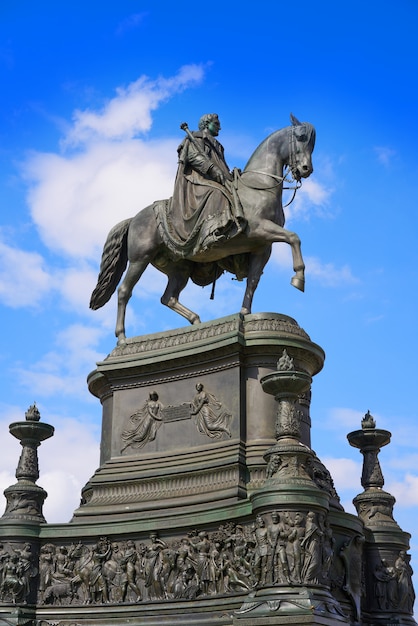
121 341
195 320
299 283
245 311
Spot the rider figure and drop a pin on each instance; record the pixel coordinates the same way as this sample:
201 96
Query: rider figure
205 155
204 207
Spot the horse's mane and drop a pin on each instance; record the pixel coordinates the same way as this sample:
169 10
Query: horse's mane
310 130
301 128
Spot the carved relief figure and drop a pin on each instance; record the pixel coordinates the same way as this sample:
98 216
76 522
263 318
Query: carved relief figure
4 557
385 585
26 567
144 424
231 560
261 551
203 569
186 559
115 576
46 568
236 569
285 363
55 571
377 511
273 465
62 565
16 572
97 582
405 589
22 504
295 536
153 563
327 550
278 537
312 546
210 416
13 585
128 565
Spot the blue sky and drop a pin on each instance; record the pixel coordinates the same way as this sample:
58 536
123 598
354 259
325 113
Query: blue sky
92 98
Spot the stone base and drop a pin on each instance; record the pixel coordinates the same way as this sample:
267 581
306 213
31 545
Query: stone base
24 503
387 619
290 605
17 616
178 465
177 525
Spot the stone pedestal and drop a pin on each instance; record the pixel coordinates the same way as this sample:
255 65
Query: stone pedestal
184 458
209 506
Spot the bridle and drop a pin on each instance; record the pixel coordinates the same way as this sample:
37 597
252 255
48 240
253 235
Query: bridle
290 169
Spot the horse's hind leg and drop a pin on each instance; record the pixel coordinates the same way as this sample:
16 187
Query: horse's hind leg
133 274
177 280
255 270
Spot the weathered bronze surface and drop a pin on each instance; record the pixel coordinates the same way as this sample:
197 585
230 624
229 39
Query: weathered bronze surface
215 220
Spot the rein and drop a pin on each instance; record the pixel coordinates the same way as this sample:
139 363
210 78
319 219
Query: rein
291 168
280 180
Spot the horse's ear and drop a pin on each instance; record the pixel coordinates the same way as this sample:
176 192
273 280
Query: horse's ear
294 120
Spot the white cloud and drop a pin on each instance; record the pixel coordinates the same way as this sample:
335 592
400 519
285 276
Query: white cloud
342 420
64 491
129 112
328 275
384 155
24 280
405 491
76 197
63 371
312 198
346 473
71 459
129 23
281 255
228 297
75 200
76 285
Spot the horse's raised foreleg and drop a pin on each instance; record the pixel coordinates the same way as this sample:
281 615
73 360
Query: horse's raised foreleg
273 233
255 270
177 280
298 280
133 274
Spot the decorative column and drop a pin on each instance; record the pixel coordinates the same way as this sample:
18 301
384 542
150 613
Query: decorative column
25 499
291 464
294 540
389 595
289 459
20 543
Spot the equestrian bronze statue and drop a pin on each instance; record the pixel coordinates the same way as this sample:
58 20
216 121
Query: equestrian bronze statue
215 221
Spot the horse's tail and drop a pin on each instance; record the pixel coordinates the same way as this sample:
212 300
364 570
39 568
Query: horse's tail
112 266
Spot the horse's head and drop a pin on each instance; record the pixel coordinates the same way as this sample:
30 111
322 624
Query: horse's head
301 144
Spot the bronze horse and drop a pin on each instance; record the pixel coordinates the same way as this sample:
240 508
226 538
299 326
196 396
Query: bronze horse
259 188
